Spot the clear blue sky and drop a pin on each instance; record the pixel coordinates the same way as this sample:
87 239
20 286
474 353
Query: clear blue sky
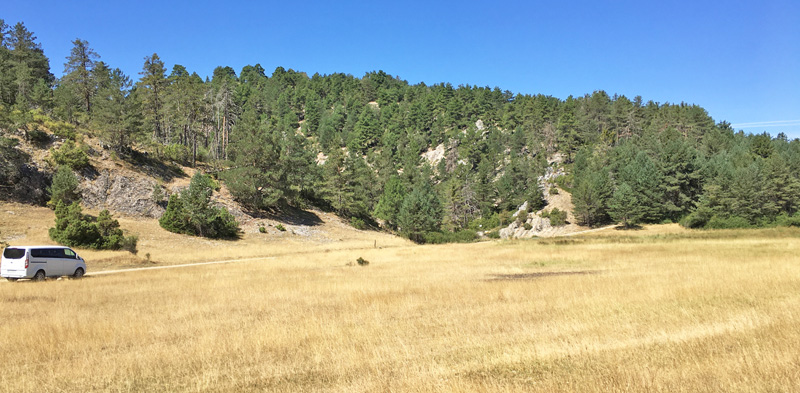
738 59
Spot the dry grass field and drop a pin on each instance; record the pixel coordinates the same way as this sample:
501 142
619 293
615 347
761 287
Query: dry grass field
657 310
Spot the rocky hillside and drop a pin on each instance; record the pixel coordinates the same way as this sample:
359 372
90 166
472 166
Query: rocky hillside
123 185
536 224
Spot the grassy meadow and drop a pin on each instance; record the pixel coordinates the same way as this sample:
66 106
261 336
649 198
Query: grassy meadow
658 310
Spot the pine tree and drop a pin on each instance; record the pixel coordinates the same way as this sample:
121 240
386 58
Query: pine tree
115 112
590 196
151 90
366 130
64 188
420 213
624 206
256 177
28 67
78 71
388 207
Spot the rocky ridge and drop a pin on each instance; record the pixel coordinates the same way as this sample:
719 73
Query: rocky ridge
541 226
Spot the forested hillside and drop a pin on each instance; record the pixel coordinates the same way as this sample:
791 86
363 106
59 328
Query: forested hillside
355 145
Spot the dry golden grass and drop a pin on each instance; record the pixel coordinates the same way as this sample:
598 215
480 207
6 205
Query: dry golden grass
26 225
657 310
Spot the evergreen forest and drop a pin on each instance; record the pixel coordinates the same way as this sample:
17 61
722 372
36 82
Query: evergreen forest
354 145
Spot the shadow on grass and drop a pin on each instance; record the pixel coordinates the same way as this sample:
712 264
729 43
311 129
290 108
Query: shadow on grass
531 276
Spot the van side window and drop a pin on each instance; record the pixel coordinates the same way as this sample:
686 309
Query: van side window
69 253
38 253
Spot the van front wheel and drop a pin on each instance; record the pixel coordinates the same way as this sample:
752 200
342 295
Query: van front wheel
78 273
39 276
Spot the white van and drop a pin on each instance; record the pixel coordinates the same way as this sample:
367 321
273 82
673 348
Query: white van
39 262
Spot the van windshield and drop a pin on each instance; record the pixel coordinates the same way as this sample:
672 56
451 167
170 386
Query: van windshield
14 253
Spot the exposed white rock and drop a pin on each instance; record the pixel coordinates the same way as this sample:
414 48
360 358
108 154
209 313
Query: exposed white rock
435 155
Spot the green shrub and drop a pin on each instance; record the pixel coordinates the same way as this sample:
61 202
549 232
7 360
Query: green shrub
698 218
74 229
362 261
38 137
158 194
493 235
280 227
202 154
61 128
357 223
64 187
785 220
557 217
178 153
485 223
191 213
129 244
70 154
504 218
527 226
262 229
565 182
732 222
553 191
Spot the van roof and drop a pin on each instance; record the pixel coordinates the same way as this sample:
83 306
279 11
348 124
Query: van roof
37 247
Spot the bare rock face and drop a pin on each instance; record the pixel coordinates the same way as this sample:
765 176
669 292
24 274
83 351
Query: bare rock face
120 193
539 227
433 156
27 185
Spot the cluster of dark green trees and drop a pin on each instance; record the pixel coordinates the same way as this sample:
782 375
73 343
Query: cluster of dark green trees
75 229
714 179
192 213
354 145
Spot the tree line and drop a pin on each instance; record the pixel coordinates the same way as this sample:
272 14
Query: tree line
354 145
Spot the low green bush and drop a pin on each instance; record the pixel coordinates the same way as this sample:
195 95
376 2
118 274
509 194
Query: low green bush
74 229
557 217
61 128
698 218
357 223
192 213
70 154
178 153
785 220
732 222
38 137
